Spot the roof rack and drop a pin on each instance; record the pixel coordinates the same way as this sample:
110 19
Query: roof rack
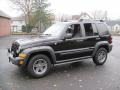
84 15
87 15
100 20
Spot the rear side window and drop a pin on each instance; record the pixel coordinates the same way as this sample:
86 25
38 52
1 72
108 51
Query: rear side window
88 29
103 29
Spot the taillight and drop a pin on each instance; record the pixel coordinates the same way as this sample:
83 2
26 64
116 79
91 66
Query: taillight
110 39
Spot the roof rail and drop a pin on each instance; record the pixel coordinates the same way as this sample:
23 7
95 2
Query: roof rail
84 14
80 20
100 20
91 20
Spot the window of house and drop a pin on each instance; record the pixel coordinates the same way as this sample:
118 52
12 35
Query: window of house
88 29
14 28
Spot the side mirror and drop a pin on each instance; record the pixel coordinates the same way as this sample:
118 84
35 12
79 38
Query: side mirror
68 36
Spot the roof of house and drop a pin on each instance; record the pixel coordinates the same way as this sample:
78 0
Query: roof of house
75 17
2 14
113 22
20 18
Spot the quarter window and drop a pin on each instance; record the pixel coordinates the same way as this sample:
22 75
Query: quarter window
103 29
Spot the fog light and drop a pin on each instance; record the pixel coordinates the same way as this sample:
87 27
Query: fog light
21 62
22 55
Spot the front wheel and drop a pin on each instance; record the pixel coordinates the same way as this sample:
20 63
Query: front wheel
100 56
39 66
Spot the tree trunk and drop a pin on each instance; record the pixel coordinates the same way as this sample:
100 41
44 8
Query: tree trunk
39 26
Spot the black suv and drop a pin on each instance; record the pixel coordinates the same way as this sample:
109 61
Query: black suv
63 42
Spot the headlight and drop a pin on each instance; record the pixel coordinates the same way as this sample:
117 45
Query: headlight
22 55
18 50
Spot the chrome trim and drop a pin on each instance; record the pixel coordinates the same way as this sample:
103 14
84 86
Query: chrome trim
79 51
72 60
83 38
40 66
74 50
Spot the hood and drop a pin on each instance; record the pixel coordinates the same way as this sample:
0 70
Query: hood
34 41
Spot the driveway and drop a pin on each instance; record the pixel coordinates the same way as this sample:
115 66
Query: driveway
84 75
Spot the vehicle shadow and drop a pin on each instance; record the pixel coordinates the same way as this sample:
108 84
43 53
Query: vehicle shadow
86 66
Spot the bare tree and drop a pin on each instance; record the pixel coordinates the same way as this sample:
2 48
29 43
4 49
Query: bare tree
35 12
102 15
26 6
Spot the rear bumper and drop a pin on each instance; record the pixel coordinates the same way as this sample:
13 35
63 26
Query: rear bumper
110 47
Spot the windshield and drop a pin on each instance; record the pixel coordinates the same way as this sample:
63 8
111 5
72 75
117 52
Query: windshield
55 29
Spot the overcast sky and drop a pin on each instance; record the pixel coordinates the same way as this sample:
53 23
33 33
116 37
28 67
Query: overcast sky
73 7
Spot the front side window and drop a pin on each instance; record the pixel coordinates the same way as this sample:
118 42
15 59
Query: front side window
75 30
70 29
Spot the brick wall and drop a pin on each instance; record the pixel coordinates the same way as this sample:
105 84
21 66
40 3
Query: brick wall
5 26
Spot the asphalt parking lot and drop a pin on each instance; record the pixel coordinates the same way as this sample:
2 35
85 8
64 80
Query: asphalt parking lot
84 75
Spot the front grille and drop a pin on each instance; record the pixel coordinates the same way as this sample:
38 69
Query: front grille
14 48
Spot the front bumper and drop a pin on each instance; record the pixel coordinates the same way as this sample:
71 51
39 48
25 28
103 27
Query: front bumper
16 60
13 60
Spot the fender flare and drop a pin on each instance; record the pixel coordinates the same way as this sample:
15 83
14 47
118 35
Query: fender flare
48 49
99 44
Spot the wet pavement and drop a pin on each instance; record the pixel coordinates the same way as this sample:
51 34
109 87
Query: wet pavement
84 75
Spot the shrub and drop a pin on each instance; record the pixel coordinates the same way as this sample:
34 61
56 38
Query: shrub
28 28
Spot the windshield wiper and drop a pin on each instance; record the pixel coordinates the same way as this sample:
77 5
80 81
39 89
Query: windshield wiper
42 35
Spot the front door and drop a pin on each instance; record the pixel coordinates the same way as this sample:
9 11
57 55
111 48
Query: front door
70 48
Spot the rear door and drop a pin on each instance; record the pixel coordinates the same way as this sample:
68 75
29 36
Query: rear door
91 37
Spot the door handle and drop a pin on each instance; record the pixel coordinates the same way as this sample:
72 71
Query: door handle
80 40
97 38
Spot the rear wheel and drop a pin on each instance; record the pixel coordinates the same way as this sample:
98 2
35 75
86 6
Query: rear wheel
100 56
39 66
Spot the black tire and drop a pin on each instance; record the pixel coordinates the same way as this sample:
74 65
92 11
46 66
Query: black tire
96 57
33 60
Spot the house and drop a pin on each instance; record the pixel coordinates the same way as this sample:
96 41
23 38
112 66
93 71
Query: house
4 24
62 18
114 25
75 17
17 23
116 28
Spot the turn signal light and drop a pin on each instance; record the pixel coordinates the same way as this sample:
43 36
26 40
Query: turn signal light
21 62
22 55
